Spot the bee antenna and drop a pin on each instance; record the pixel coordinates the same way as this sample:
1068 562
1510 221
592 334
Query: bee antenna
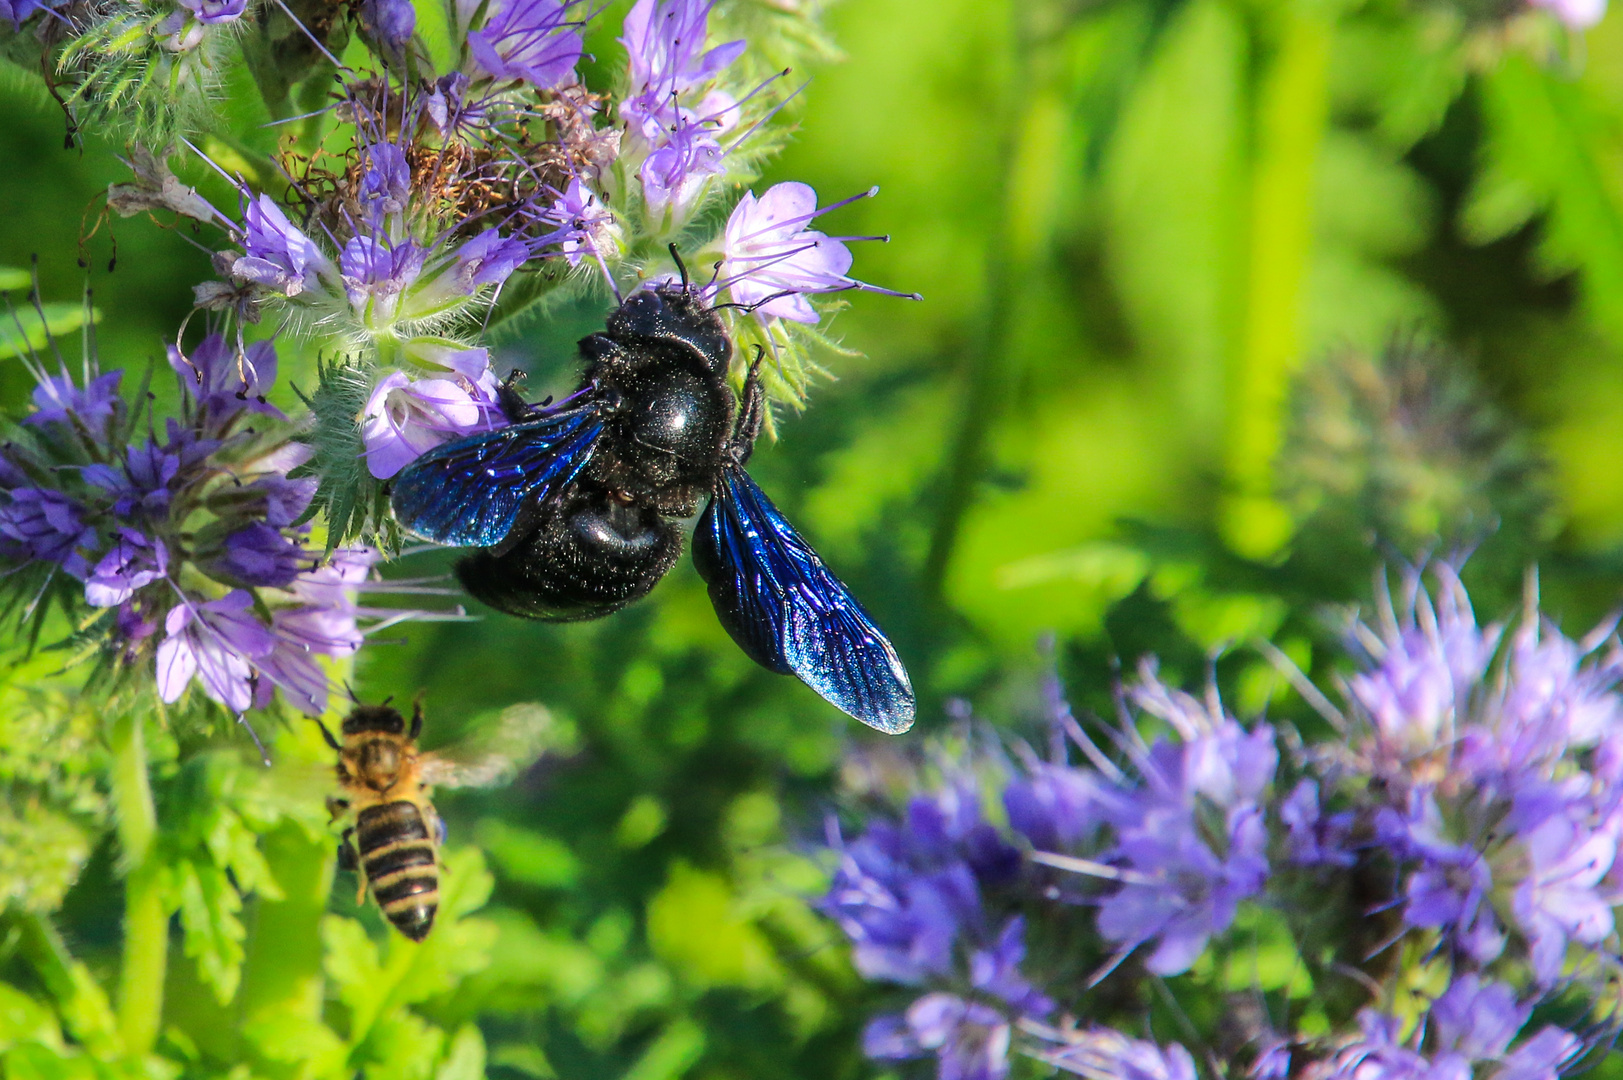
326 734
349 688
681 267
385 701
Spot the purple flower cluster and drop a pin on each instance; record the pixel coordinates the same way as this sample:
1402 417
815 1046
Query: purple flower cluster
1470 805
187 539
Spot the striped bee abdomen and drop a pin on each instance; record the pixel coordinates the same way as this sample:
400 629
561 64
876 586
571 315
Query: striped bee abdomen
397 856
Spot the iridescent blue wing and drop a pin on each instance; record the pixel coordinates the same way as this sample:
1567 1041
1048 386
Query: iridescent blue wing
471 492
789 613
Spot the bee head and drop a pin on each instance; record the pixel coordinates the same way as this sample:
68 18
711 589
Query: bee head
374 719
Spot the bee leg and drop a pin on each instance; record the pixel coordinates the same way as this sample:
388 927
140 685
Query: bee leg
751 414
325 734
514 407
348 859
337 808
417 716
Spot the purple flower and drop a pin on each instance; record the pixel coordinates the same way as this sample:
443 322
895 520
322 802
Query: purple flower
664 39
405 418
386 184
257 555
134 561
58 400
1053 806
996 971
1542 1057
224 383
771 260
1477 1019
533 40
681 164
970 1040
1422 682
1192 839
1449 887
285 499
1560 900
323 624
217 643
584 225
1314 837
1098 1053
211 12
18 10
279 255
488 259
47 525
375 273
391 23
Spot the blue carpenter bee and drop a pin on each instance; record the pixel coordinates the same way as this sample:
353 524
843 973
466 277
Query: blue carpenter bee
572 506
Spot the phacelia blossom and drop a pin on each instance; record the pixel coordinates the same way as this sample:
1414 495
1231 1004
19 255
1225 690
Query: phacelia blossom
1184 884
405 417
279 256
133 561
533 40
215 12
665 41
217 643
970 1040
771 260
224 382
47 526
1098 1053
584 226
59 400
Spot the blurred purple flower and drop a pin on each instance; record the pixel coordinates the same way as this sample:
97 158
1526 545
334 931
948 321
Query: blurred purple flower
1098 1053
1449 887
996 971
1419 688
323 625
1314 837
134 561
58 400
285 499
17 10
1561 899
533 40
1183 883
405 418
218 643
279 256
1477 1019
772 261
1052 806
47 525
970 1040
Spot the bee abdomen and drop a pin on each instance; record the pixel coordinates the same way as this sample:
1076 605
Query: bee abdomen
397 857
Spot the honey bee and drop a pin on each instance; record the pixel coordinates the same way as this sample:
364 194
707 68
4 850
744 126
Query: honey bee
386 783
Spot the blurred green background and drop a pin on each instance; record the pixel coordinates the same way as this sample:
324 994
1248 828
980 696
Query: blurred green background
1175 256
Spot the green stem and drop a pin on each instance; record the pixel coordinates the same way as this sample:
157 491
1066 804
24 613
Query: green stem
1292 113
146 913
1036 119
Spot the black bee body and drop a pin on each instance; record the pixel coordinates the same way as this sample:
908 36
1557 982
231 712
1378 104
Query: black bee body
574 507
658 376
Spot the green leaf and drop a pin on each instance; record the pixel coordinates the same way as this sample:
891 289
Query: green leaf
298 1040
676 1051
465 1060
403 1047
209 904
22 1019
1550 146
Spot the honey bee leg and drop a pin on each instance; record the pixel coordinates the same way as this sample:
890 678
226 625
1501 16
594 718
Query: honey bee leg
337 808
325 734
417 717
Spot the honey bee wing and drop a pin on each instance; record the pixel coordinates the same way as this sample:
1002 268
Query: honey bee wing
497 752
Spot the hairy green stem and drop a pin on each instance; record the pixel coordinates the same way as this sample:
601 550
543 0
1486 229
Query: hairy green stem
146 913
